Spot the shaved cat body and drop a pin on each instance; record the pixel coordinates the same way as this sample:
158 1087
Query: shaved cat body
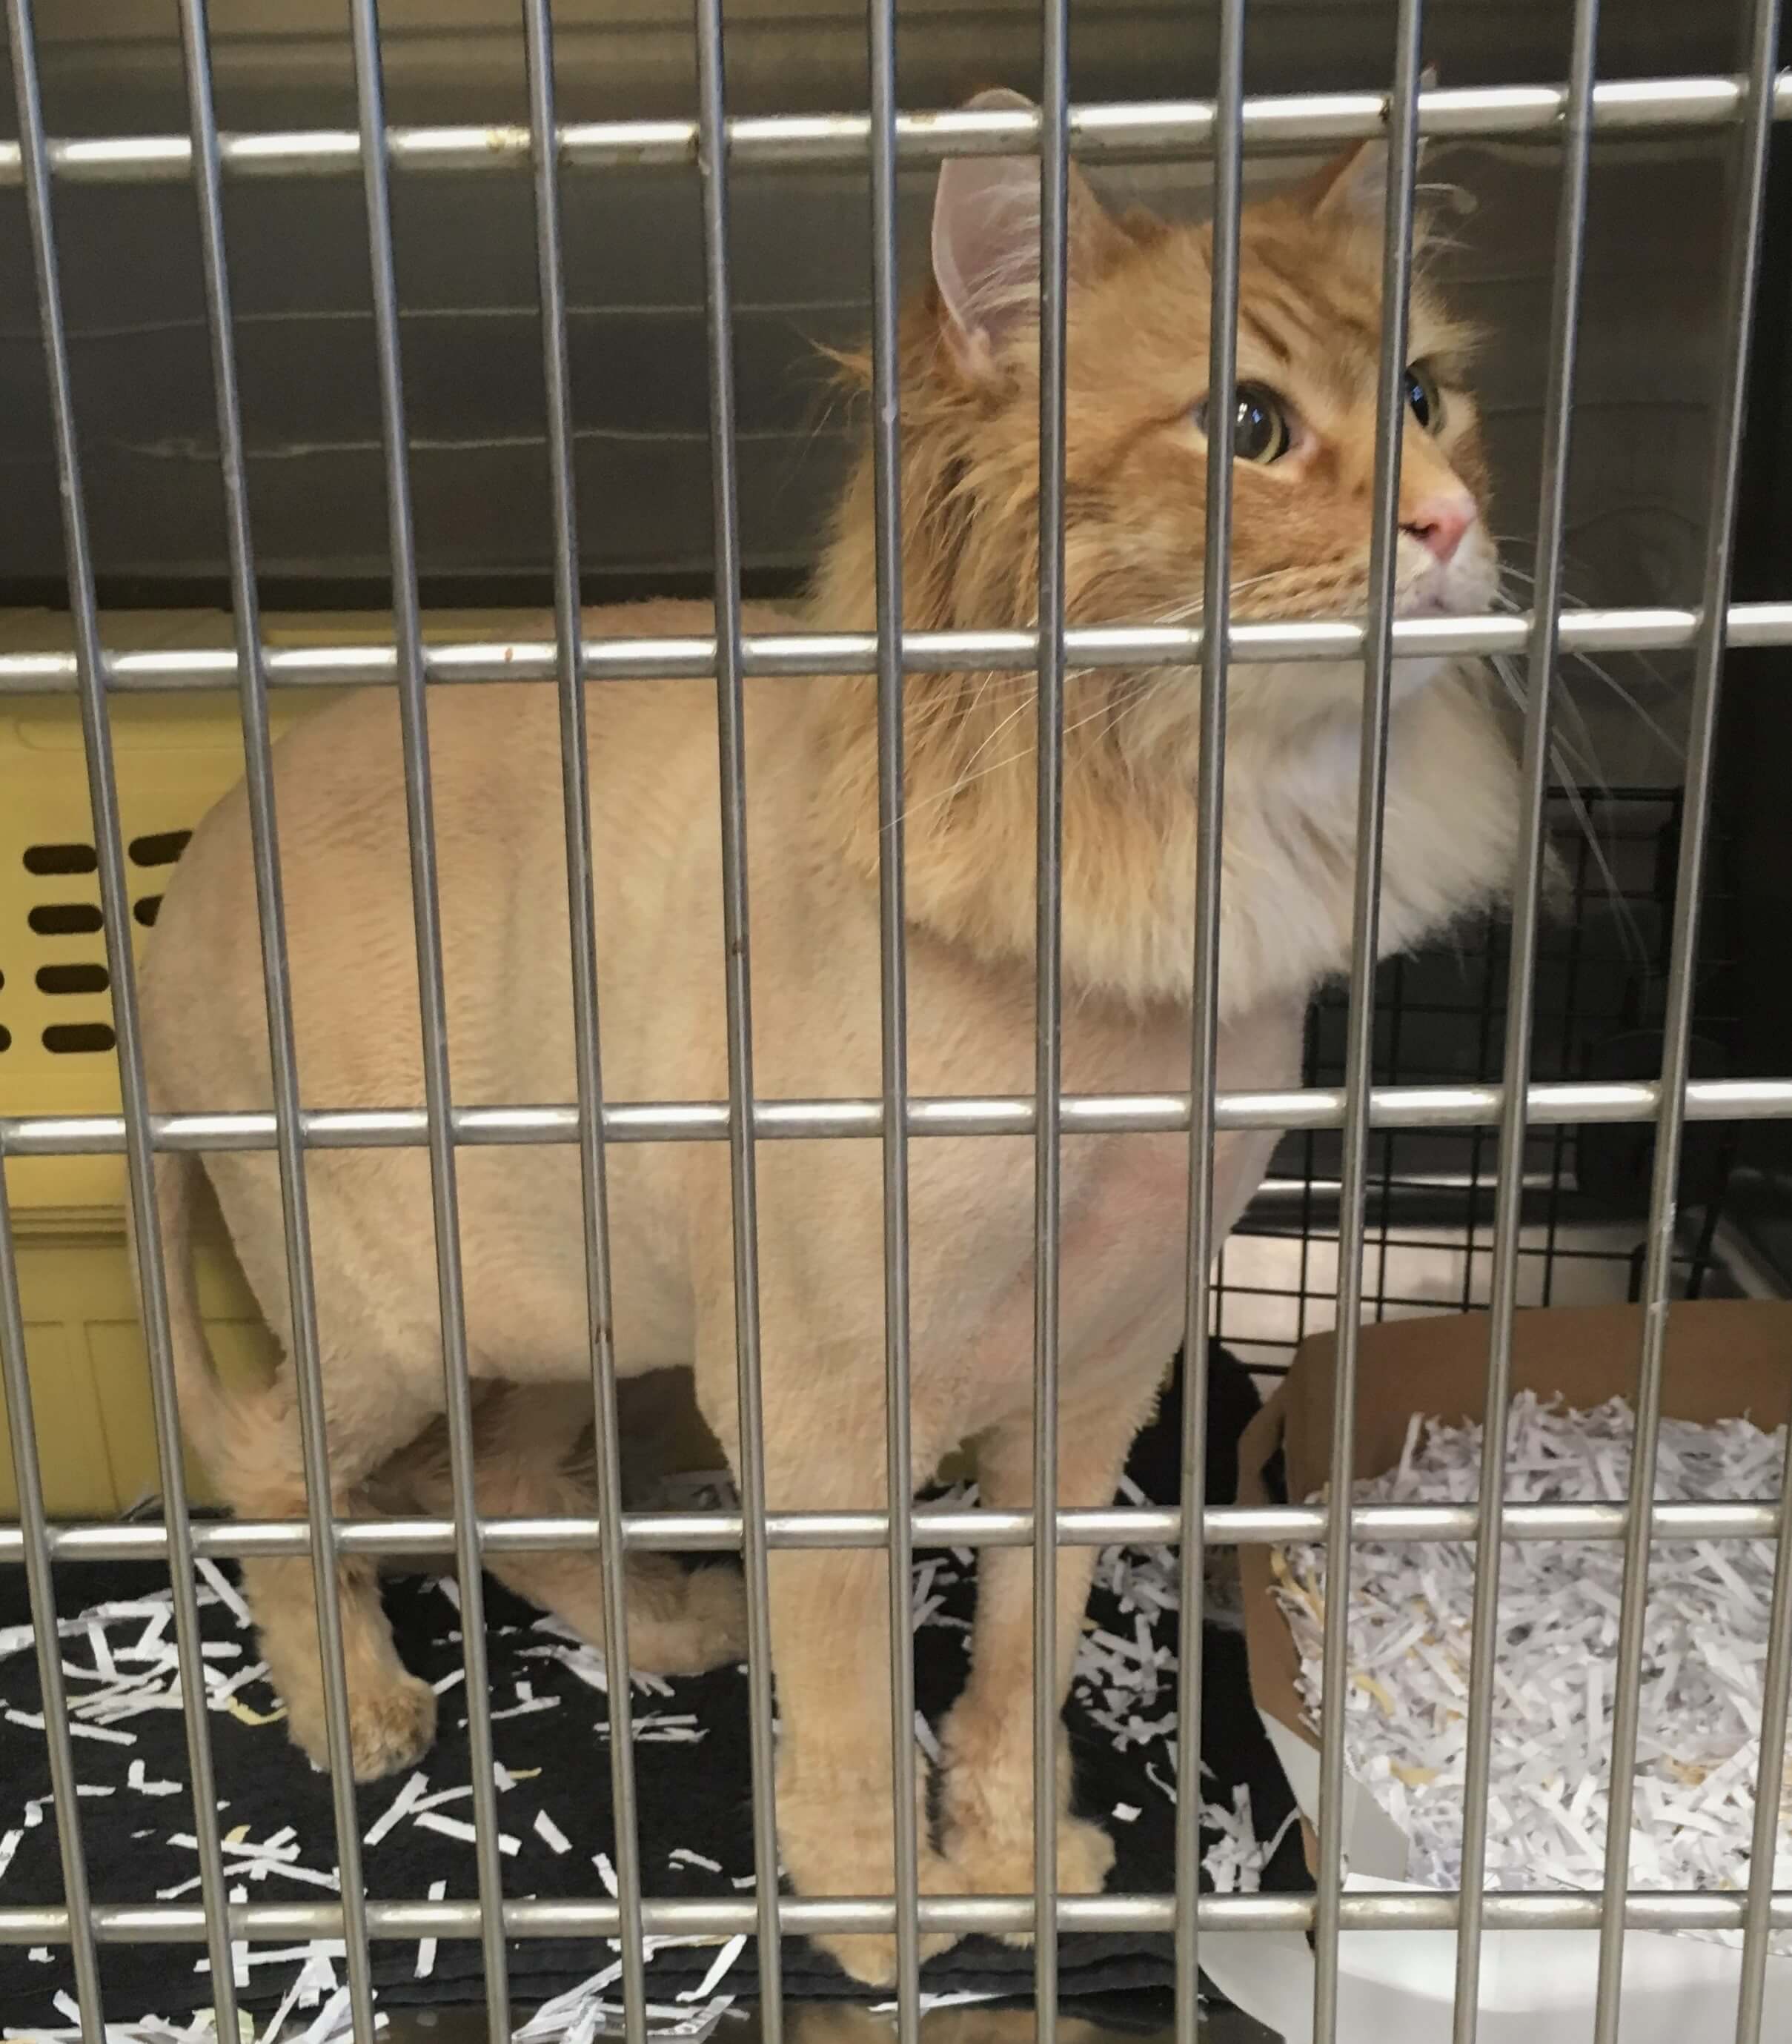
1139 421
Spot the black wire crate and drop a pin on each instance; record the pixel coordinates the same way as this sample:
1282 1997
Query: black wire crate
1441 1019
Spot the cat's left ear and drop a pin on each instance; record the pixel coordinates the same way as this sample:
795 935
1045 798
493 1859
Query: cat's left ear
986 244
1353 186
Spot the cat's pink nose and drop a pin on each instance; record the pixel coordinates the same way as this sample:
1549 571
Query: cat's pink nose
1438 523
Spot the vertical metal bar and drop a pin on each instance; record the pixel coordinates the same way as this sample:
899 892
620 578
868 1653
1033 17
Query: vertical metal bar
1222 377
15 1380
1776 1694
1054 284
102 794
1508 1193
886 451
730 706
582 921
1747 199
419 810
1378 669
276 981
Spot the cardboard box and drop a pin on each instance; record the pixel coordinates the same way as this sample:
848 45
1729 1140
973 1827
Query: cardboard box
1726 1359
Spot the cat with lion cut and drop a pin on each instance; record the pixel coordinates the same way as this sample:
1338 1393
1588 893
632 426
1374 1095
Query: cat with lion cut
1141 426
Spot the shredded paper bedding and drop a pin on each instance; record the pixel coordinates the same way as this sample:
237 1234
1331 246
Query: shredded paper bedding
1705 1647
550 1717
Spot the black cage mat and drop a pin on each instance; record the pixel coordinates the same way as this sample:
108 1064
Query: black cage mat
550 1731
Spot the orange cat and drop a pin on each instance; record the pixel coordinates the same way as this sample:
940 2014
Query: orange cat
1140 420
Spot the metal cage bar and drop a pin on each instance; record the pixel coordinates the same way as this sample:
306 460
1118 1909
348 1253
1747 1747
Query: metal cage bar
1215 595
1549 1103
582 926
1521 992
35 1553
277 993
729 674
1747 199
887 485
433 1008
1776 1697
1048 1015
1652 628
1112 132
1509 1909
724 1532
1377 682
151 1272
1225 127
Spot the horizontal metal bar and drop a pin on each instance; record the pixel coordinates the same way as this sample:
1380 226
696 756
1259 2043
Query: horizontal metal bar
720 1532
797 1121
1114 131
1527 1909
793 653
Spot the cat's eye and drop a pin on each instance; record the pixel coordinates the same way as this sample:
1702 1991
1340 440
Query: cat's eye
1260 428
1423 397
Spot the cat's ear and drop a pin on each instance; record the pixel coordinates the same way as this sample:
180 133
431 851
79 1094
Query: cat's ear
986 243
1353 186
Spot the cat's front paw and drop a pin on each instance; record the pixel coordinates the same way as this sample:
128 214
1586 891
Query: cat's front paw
986 1810
834 1832
1000 1861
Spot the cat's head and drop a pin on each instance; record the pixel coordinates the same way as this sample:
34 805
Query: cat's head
1141 421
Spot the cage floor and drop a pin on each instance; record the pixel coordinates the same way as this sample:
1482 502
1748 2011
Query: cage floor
1118 2018
693 1778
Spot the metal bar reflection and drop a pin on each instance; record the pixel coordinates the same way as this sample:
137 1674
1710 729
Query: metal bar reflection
1543 1909
722 1532
1114 131
1010 1114
360 663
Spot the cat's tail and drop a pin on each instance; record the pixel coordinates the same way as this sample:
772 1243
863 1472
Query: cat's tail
219 1421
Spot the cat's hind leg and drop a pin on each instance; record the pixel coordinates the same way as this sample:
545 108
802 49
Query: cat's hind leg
533 1461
